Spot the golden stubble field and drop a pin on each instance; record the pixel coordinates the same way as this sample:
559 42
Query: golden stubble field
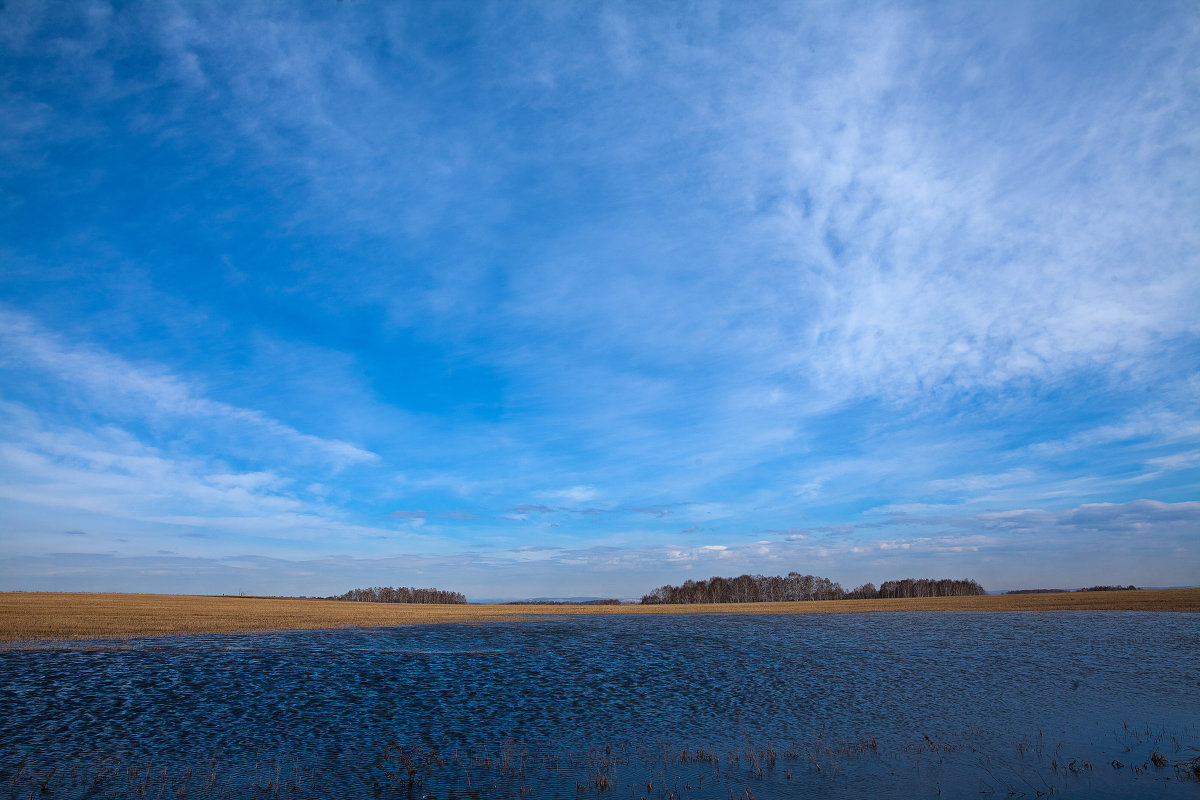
40 616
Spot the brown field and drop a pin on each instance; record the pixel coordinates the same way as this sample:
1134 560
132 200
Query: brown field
33 616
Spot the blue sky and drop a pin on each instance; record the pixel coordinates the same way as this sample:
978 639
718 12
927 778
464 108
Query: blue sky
576 299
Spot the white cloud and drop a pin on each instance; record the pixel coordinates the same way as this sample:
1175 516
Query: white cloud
1154 426
571 494
946 240
119 387
976 483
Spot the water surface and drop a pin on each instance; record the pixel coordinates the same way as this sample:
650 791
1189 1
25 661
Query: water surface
903 704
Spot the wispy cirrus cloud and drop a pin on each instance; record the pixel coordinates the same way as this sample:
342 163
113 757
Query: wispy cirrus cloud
452 514
121 388
130 493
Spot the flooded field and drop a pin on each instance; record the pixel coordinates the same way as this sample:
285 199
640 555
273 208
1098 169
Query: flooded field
921 704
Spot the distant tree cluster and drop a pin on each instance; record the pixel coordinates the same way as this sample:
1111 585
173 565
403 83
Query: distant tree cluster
1128 588
1035 591
930 587
401 594
797 587
601 602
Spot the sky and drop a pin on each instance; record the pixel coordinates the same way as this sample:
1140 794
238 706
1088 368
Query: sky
567 299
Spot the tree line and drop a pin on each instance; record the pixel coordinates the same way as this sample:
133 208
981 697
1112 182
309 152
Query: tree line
1128 588
797 587
401 594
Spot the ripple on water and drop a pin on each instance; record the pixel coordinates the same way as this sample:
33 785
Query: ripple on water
942 690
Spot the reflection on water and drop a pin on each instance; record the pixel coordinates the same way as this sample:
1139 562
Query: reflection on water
673 706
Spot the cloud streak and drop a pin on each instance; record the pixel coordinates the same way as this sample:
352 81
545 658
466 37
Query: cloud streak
113 383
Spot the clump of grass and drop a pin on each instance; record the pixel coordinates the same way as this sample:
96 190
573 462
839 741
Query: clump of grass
699 755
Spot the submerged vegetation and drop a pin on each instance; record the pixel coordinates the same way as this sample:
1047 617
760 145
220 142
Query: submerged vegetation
402 594
1030 765
1035 766
795 587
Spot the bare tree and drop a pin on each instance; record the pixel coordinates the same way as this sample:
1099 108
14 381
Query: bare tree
796 587
402 594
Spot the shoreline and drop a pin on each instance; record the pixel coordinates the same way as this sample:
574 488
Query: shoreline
80 616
